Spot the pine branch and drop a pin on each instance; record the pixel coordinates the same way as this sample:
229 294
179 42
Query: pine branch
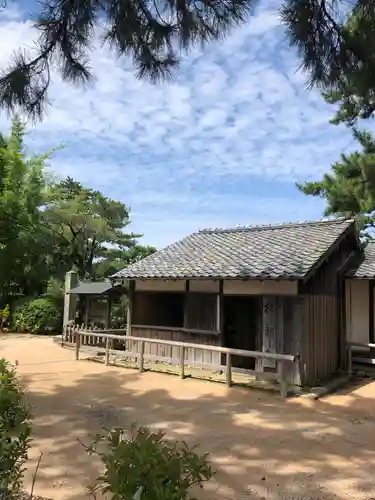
153 33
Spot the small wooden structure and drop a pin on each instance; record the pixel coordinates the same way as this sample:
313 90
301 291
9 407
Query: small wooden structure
93 307
265 289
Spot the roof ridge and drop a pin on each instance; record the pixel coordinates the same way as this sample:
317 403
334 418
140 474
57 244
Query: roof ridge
259 227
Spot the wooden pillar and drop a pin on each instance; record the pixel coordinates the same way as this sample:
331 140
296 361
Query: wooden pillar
371 311
341 313
70 299
87 310
219 308
130 308
187 290
108 315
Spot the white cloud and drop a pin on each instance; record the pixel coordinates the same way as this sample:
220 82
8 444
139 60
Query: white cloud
218 145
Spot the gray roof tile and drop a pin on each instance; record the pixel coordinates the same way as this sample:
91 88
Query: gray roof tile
93 288
365 267
254 252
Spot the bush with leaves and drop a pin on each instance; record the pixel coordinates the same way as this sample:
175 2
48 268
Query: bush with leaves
4 316
40 315
15 429
143 465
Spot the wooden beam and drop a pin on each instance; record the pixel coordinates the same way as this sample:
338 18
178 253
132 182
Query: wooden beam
87 310
371 311
219 308
108 315
187 290
130 307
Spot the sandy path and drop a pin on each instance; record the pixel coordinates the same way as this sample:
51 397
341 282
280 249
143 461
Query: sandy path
261 446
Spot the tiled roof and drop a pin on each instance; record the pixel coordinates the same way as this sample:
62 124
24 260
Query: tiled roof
254 252
94 288
366 265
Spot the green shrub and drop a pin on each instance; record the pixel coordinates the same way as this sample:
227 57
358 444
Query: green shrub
143 465
37 316
4 316
15 429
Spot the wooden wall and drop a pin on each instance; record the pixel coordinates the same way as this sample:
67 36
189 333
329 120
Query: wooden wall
320 350
293 337
192 356
326 280
324 336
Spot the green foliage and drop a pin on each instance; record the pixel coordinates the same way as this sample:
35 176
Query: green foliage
49 227
22 184
112 259
354 90
83 223
336 45
4 316
119 312
15 429
143 465
37 316
150 34
349 188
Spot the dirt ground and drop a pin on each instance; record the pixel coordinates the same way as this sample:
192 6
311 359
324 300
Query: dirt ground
260 446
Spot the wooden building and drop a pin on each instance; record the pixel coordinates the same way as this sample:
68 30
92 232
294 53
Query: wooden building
89 303
276 288
359 305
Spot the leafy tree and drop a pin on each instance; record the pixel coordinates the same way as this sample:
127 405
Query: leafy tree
154 33
22 186
113 259
46 229
84 223
349 188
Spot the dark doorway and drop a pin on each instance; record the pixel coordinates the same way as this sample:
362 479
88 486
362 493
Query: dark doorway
240 319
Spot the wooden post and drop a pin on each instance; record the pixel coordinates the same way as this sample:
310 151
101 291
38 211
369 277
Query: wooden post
371 311
130 308
78 343
229 370
108 315
219 308
186 301
350 360
107 351
282 381
142 357
87 311
182 362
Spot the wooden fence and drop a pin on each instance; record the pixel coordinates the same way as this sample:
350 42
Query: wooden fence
359 352
109 338
88 338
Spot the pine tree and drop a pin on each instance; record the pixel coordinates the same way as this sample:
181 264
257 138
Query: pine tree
354 90
154 33
349 188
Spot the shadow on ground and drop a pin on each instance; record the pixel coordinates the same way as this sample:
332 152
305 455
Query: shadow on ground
262 447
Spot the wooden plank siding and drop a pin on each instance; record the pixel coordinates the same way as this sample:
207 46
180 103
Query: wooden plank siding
176 335
320 353
323 339
292 336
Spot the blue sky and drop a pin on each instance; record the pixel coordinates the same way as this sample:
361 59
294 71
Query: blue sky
222 144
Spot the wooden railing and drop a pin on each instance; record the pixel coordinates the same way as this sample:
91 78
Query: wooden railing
353 348
69 333
280 359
